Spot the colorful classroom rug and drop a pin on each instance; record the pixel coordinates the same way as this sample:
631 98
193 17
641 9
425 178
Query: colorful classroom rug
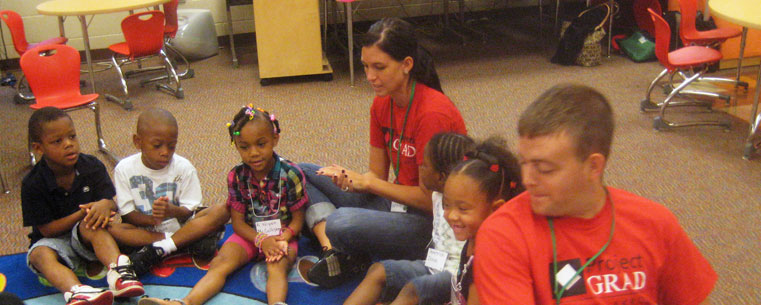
176 278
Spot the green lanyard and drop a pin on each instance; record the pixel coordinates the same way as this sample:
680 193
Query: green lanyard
558 290
391 132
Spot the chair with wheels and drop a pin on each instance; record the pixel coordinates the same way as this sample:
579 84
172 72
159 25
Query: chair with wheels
144 37
690 58
18 35
53 74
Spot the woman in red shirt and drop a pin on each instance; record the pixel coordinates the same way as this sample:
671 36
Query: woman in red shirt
389 219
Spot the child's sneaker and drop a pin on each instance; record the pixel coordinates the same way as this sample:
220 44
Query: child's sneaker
86 295
122 279
205 248
145 258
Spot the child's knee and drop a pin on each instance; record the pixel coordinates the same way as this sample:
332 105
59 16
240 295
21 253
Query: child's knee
116 228
42 255
377 273
408 294
278 269
227 261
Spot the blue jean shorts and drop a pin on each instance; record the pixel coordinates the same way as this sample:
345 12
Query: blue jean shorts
431 288
71 252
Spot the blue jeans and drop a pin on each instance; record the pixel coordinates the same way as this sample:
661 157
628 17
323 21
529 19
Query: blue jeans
363 224
325 197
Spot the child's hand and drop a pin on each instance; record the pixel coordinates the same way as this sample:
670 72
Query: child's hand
160 207
274 249
98 214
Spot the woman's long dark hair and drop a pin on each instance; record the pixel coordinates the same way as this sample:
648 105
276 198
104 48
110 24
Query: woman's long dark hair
397 38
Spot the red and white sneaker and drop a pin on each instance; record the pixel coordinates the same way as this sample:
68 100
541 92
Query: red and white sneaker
122 280
86 295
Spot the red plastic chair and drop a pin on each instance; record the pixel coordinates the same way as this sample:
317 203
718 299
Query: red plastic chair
691 36
689 58
18 35
144 36
53 74
170 31
170 15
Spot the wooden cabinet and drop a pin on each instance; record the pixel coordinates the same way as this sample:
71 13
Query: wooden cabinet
288 41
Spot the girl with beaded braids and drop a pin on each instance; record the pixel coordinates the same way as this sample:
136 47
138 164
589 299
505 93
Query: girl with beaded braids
486 178
377 216
266 201
422 281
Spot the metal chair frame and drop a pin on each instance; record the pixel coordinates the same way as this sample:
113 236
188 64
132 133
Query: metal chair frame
125 102
660 122
170 15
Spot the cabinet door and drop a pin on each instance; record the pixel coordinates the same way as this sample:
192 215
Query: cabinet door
288 37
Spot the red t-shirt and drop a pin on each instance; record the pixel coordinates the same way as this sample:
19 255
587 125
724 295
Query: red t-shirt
650 260
432 112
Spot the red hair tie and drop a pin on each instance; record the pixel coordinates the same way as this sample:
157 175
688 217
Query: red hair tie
464 158
494 168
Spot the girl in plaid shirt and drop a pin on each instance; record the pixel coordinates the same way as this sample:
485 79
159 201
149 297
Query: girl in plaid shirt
266 201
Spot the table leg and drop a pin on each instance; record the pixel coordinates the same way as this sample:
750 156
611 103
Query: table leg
230 34
349 29
86 39
610 24
60 26
753 138
740 58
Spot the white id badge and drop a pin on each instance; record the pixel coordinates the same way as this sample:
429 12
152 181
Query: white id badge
436 259
269 227
168 226
398 207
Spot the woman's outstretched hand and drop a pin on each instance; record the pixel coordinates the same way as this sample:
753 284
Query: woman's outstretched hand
347 180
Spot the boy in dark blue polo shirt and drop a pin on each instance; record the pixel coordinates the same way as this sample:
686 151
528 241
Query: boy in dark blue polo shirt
67 200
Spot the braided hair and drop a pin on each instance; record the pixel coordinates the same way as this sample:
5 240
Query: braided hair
446 149
494 167
248 114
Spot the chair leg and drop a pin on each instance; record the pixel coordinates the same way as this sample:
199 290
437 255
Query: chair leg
660 122
23 92
125 103
95 107
737 83
646 104
177 91
6 190
187 73
32 157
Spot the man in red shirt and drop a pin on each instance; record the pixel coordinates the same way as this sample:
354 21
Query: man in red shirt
569 238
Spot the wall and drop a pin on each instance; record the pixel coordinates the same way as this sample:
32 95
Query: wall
105 30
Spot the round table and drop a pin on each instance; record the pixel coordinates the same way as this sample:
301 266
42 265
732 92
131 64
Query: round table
746 13
82 8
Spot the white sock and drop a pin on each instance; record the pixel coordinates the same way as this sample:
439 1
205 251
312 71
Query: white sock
166 244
